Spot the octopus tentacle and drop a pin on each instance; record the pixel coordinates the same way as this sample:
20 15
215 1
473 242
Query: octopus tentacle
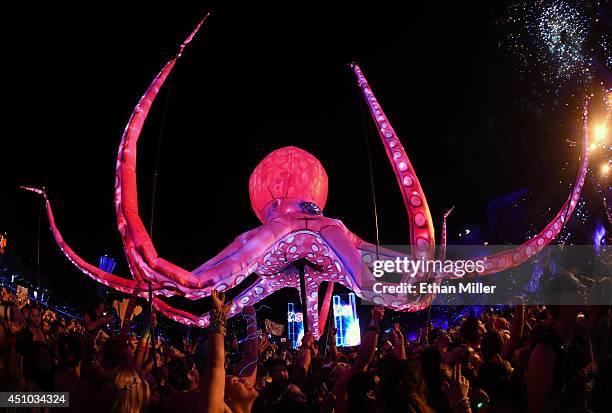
257 292
509 259
422 238
124 285
312 312
144 259
442 251
325 307
220 272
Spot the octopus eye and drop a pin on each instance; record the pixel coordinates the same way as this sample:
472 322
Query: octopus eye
311 208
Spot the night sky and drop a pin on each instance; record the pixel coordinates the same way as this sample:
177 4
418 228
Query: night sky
255 79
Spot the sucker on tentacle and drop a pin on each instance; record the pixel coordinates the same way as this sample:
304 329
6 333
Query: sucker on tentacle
422 238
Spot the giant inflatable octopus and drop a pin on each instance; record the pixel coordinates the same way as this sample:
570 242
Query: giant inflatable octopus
288 191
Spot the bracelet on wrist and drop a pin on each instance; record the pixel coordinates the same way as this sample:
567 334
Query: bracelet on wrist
218 321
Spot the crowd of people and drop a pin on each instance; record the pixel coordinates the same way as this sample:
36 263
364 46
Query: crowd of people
522 358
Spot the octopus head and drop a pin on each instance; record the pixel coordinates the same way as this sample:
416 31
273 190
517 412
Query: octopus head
288 180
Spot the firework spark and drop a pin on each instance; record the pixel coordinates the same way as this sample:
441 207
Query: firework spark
558 40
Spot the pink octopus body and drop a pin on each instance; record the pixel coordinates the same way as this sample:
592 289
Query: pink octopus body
288 191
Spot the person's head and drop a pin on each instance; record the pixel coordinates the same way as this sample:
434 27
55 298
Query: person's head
178 374
439 338
362 392
70 349
430 359
401 389
334 371
472 331
132 392
57 328
492 344
96 309
494 379
35 317
277 369
238 391
116 353
499 323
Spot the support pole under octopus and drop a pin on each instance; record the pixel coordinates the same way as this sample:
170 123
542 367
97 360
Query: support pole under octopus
300 266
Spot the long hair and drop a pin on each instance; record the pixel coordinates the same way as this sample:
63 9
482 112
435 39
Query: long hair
402 389
132 392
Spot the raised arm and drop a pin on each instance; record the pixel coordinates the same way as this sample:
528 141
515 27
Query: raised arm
212 386
247 367
368 344
364 357
333 350
304 358
399 344
516 332
92 325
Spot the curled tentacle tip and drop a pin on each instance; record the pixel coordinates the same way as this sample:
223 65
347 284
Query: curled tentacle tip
192 35
39 191
447 213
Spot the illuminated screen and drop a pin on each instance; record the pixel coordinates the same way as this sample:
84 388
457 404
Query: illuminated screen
295 326
346 321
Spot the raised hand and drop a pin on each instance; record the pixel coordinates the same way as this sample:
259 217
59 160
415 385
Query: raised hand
394 337
262 345
397 330
308 339
218 299
589 371
457 390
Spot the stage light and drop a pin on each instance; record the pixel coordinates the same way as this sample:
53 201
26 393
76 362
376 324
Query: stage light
593 146
599 235
600 132
605 168
107 263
